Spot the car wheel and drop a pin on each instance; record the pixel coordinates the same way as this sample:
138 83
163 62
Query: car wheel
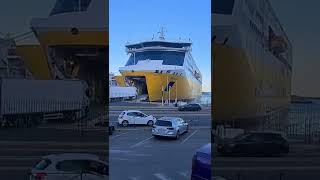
125 123
150 123
178 135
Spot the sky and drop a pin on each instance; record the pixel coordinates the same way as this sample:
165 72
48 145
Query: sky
300 20
135 21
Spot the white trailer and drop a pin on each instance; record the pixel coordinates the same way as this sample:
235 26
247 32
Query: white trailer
117 92
42 99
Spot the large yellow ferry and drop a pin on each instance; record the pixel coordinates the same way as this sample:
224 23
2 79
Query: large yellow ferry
252 65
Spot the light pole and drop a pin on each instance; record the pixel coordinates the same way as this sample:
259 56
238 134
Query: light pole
162 95
176 92
167 89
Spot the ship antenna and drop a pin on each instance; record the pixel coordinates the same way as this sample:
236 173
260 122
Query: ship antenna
152 36
161 32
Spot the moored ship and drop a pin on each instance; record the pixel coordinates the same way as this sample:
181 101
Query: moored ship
252 65
162 70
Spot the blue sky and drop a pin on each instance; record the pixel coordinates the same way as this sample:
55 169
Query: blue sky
134 21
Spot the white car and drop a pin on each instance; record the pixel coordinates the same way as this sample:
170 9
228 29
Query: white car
135 117
68 166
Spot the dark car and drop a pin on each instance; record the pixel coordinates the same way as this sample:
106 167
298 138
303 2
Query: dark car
190 107
255 144
201 163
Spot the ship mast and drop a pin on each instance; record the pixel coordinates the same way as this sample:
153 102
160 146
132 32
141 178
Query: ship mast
161 32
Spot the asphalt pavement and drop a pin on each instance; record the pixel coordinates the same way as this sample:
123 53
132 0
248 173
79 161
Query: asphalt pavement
302 162
194 118
135 154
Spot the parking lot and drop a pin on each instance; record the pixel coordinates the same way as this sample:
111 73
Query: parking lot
135 154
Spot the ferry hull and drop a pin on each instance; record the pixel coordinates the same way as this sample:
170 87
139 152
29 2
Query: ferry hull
65 37
235 82
93 70
35 60
182 89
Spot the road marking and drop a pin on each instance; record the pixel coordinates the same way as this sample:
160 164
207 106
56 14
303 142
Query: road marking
119 159
134 178
191 127
118 135
189 137
119 151
161 176
184 174
141 142
142 155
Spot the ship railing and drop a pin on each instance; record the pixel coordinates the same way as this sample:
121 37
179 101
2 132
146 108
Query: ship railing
134 50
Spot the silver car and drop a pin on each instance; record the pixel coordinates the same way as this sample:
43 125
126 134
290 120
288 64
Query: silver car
170 127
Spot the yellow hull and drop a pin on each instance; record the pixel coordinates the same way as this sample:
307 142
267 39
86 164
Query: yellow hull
35 56
235 84
35 60
183 88
88 38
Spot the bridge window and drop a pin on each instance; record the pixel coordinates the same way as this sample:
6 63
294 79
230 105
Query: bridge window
66 6
168 57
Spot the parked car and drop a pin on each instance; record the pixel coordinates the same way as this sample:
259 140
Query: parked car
170 127
201 163
130 117
68 166
190 107
255 144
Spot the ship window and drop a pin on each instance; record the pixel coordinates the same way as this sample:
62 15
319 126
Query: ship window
65 6
222 6
168 57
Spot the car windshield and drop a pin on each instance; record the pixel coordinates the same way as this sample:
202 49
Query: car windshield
43 164
163 123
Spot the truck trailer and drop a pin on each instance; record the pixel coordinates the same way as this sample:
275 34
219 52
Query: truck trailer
34 101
